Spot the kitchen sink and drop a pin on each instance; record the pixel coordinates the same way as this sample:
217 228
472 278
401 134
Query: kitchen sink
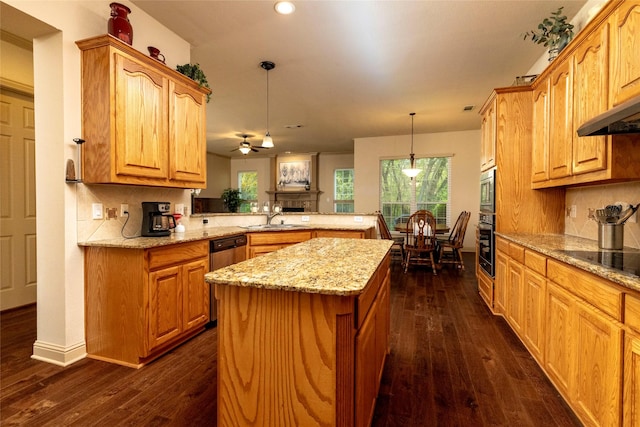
273 226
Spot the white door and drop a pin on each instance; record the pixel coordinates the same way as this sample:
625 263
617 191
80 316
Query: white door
17 201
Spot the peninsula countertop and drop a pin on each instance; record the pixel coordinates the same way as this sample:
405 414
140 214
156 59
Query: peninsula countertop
207 234
559 246
330 266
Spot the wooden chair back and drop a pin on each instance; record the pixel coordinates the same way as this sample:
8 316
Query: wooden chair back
421 231
382 227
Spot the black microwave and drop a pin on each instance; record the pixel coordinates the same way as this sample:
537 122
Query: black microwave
488 191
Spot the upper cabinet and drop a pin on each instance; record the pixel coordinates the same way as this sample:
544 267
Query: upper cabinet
143 123
624 57
488 130
579 85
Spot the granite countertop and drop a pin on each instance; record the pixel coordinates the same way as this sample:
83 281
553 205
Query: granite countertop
329 266
207 234
555 245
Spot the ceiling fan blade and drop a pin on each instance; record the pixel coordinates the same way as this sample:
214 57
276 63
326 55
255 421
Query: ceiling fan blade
254 149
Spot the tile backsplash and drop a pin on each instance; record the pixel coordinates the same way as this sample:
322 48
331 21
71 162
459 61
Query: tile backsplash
112 196
595 197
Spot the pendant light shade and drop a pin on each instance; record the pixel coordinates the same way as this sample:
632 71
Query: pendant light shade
267 141
412 172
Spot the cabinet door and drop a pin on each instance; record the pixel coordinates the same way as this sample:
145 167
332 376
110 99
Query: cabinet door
624 57
534 313
561 121
165 306
195 294
590 98
488 132
140 120
502 278
345 234
597 359
366 369
515 296
558 357
631 397
255 251
187 127
540 137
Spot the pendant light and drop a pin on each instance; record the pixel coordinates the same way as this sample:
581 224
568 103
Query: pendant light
412 172
267 141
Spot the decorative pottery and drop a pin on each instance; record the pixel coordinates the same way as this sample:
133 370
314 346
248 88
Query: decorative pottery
119 25
154 52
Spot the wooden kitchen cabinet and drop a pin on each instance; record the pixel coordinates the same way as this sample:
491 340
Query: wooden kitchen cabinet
561 120
597 70
590 90
346 234
488 132
143 123
501 281
624 59
514 303
534 294
142 302
631 375
558 346
540 133
264 242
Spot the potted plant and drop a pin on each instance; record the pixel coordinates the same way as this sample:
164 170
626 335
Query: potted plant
231 199
195 73
553 32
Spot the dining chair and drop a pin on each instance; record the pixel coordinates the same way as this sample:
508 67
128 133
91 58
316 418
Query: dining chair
397 249
421 245
455 242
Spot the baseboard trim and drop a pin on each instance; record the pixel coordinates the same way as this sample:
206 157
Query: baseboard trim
58 355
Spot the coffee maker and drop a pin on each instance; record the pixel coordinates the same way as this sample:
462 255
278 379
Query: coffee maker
157 220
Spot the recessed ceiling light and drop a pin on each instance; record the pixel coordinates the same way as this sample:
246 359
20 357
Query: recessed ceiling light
284 7
292 126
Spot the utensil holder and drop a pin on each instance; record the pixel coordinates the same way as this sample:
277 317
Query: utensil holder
610 236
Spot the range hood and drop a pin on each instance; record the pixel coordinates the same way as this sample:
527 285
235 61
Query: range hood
624 118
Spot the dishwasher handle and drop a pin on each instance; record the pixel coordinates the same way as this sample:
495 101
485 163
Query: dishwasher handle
227 243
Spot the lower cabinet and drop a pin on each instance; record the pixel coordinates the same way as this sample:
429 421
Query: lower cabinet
571 322
139 303
264 242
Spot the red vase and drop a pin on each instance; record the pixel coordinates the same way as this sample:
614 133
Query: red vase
119 25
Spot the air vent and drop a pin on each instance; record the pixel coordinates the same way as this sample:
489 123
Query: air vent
468 107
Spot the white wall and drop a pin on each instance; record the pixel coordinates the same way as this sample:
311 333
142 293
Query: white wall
218 175
60 337
465 169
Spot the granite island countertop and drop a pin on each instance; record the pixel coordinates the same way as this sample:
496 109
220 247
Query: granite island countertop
557 246
207 234
330 266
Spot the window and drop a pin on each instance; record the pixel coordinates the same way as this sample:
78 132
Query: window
343 190
431 189
248 185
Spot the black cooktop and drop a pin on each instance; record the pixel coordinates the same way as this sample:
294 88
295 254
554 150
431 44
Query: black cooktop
629 262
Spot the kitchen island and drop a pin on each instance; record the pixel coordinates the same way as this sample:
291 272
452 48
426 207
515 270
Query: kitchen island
303 333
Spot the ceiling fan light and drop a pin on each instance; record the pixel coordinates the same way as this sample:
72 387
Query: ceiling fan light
244 150
267 141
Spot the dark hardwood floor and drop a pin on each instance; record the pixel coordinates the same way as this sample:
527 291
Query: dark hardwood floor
452 363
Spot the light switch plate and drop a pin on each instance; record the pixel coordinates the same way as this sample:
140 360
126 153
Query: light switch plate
96 210
179 208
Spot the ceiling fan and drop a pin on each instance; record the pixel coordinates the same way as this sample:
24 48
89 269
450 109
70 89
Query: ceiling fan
245 146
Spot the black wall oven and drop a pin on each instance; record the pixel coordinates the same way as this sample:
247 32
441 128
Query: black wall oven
487 222
486 242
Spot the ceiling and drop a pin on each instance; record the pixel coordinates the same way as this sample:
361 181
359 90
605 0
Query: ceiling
351 69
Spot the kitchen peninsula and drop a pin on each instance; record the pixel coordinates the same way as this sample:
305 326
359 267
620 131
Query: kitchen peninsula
303 333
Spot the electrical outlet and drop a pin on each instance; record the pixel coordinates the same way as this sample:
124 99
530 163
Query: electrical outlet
357 218
96 210
304 218
573 211
124 209
633 218
179 208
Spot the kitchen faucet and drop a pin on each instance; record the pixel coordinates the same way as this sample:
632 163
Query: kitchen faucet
270 216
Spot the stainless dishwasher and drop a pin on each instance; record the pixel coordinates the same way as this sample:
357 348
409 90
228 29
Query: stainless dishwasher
223 252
